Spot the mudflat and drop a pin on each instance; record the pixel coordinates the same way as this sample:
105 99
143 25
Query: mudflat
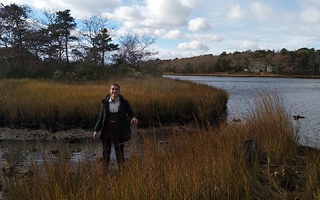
29 134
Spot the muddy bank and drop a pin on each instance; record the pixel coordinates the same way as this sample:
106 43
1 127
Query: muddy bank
72 135
29 134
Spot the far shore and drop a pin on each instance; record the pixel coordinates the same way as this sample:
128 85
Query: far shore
247 75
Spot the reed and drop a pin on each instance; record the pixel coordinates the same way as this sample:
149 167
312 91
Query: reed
44 103
206 163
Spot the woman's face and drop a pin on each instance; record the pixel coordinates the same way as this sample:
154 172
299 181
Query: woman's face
114 91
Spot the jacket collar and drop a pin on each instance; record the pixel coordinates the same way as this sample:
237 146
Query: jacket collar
108 98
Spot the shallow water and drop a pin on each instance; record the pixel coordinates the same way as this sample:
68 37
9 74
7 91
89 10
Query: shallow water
22 153
300 96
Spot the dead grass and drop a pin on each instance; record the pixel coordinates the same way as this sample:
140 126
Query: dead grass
208 163
47 104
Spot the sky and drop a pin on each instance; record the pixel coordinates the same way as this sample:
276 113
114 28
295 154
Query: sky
187 28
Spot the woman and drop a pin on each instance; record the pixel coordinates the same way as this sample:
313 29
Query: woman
114 124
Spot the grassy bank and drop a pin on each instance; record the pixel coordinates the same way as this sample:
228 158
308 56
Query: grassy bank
209 163
50 104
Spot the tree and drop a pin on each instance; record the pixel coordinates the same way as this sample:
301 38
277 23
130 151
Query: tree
103 40
277 62
284 51
134 48
14 26
303 60
61 30
15 36
46 43
97 36
317 62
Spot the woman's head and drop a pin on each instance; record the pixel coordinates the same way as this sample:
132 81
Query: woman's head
114 90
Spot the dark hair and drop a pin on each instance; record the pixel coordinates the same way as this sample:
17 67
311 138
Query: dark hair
115 84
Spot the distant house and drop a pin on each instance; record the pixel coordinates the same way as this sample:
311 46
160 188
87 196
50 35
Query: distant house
269 68
257 67
260 67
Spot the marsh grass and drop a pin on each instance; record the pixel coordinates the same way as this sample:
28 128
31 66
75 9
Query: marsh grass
48 104
207 163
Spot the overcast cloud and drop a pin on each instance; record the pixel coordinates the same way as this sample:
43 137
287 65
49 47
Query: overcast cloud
186 28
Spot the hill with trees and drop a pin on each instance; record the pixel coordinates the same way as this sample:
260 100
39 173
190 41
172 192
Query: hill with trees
303 61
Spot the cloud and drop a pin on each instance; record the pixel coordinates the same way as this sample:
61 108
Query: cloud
149 13
246 45
168 54
235 12
87 7
297 31
312 2
189 3
310 14
159 32
193 45
169 13
127 14
261 11
203 37
199 24
153 16
174 34
78 8
177 34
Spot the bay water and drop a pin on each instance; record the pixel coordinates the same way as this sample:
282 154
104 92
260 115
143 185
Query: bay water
301 96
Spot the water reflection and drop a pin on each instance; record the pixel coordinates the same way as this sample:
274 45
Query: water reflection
21 153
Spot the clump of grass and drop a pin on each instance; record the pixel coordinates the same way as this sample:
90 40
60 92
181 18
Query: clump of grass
165 100
46 104
205 163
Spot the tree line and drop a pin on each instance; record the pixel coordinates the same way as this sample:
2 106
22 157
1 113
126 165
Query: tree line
57 45
303 61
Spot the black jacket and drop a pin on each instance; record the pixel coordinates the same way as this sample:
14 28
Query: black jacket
124 110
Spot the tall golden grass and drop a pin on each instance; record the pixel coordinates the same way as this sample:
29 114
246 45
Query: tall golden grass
155 100
207 163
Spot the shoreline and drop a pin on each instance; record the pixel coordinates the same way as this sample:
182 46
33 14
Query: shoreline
74 134
247 75
39 134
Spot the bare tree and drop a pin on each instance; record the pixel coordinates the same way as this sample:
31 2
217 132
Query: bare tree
135 48
49 16
98 37
91 26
